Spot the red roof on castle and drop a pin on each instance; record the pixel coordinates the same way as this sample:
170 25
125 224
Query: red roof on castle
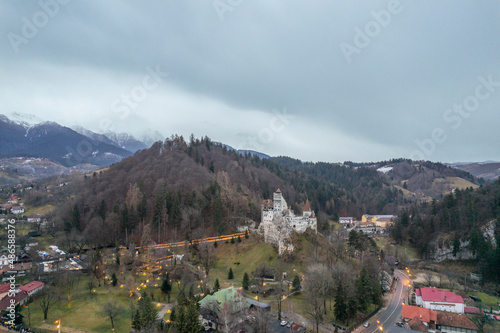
307 207
437 295
31 286
425 315
278 190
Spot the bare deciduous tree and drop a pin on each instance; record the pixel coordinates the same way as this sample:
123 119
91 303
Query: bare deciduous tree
46 300
111 310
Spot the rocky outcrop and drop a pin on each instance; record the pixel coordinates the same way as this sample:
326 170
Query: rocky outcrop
443 249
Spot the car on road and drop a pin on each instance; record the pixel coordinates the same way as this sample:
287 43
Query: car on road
283 323
497 317
366 324
399 323
339 327
295 327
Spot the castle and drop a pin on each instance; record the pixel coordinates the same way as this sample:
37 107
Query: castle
278 220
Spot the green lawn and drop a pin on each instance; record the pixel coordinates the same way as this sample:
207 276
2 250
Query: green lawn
488 300
248 256
83 310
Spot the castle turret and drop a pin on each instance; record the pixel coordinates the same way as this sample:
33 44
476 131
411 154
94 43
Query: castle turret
306 212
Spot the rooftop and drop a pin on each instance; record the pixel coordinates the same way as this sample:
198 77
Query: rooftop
425 315
437 295
31 286
455 320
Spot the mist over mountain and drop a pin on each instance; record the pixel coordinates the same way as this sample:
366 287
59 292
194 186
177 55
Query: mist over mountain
55 142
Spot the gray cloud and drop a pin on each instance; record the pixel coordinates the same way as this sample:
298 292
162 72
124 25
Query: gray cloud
227 76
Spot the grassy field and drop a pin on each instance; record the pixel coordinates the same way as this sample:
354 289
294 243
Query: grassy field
83 310
487 300
249 254
243 257
39 210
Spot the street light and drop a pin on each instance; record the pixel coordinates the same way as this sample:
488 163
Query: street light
58 322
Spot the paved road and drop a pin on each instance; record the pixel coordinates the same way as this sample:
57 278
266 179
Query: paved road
389 315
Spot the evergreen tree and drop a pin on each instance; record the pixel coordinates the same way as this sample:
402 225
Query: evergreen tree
239 239
216 285
232 240
340 310
114 280
296 283
215 244
180 319
75 218
230 274
246 282
352 308
102 209
246 234
193 324
166 287
147 310
363 290
136 322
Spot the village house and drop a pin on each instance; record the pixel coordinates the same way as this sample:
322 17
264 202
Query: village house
346 221
32 287
419 319
278 221
382 221
455 323
35 218
17 210
13 199
442 300
230 299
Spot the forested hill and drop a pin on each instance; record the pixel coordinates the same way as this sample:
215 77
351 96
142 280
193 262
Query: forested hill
462 217
416 179
200 188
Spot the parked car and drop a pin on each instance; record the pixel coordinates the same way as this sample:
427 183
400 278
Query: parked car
366 324
399 323
497 317
295 327
283 323
290 323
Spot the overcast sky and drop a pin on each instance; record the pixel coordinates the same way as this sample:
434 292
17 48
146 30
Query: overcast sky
315 80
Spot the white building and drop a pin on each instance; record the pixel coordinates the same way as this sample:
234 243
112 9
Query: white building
278 220
440 300
346 221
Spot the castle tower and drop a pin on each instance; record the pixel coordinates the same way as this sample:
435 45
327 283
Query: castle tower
279 202
306 212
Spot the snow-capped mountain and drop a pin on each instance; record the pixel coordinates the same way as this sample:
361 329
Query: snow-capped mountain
127 141
25 119
94 136
19 138
151 136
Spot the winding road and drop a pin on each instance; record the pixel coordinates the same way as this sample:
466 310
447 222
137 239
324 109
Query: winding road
391 313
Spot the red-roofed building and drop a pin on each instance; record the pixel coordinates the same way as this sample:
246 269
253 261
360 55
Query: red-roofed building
473 310
427 316
441 300
452 322
20 298
32 287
